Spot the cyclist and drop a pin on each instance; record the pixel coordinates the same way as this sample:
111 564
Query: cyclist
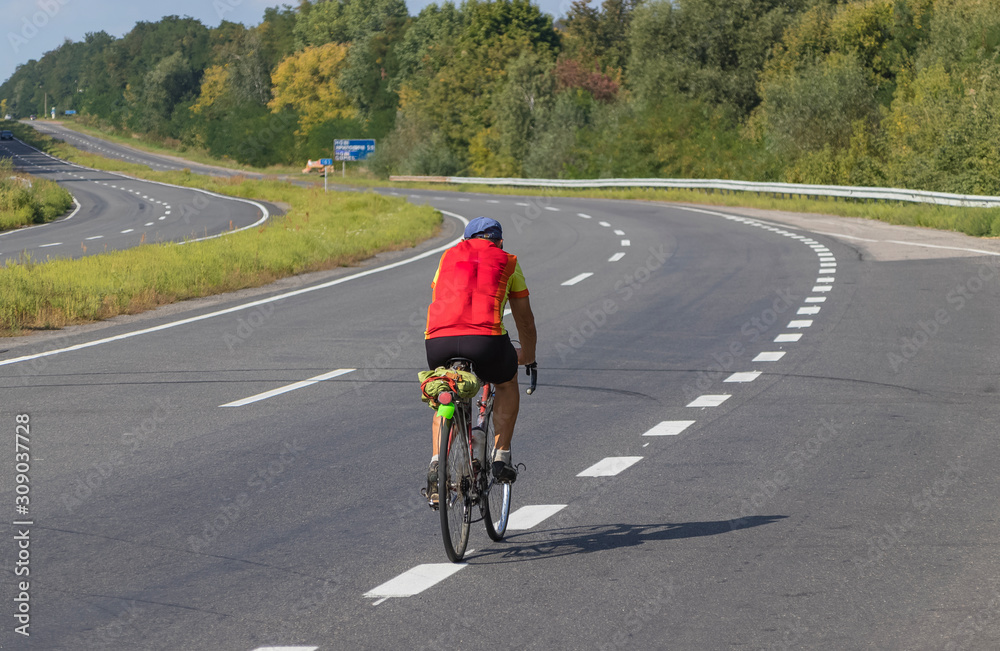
474 280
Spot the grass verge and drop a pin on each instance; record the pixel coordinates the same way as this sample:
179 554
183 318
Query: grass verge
25 201
320 231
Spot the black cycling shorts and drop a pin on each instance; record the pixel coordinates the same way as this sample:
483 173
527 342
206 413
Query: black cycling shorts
493 356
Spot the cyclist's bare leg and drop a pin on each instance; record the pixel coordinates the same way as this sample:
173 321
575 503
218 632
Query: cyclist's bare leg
436 430
506 403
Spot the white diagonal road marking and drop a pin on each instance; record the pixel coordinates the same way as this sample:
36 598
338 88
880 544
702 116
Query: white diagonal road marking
287 388
575 279
609 466
415 581
709 400
669 428
527 517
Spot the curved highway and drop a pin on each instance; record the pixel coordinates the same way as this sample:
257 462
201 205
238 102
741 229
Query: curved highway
114 211
752 431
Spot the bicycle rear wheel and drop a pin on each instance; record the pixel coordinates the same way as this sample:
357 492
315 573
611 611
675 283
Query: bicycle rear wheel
496 506
454 485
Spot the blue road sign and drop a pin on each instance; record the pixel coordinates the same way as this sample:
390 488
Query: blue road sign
353 149
326 161
71 112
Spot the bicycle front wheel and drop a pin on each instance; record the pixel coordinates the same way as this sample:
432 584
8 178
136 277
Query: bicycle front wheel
454 487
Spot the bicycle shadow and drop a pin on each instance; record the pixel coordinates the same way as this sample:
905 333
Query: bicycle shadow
551 543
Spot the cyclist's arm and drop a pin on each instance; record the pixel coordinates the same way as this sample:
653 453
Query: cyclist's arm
524 319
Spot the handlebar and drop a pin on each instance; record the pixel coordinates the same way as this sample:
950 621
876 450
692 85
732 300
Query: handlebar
531 370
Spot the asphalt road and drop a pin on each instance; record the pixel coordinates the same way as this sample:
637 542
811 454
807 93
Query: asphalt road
113 150
114 211
837 490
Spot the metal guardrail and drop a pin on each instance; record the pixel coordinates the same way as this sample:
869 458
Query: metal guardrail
794 189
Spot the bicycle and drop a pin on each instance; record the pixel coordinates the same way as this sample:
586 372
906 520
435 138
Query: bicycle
464 482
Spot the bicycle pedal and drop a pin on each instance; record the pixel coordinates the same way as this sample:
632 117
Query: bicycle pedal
430 502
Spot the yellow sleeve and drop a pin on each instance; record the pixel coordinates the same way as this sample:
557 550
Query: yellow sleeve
516 286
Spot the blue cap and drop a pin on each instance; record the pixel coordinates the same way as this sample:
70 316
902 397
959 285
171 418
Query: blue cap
484 227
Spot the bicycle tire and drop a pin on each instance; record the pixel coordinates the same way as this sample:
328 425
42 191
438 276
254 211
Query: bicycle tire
496 502
454 504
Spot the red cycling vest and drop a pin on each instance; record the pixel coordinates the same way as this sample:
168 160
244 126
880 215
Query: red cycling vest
470 290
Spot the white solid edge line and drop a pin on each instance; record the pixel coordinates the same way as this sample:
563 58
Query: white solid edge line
288 387
243 306
937 246
286 648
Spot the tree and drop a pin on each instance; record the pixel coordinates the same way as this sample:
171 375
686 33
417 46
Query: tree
599 38
346 21
307 83
707 49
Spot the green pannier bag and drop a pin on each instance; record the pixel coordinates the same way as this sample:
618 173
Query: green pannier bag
462 383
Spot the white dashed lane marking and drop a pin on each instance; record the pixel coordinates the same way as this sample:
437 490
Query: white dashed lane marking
747 376
575 279
52 244
769 357
414 581
709 400
529 516
669 428
626 242
800 323
787 338
609 467
552 208
616 257
584 215
809 310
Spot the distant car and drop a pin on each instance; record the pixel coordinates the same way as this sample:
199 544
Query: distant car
6 135
31 117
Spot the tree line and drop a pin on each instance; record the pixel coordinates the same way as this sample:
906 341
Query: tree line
861 92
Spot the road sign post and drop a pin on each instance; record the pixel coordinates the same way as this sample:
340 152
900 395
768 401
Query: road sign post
326 163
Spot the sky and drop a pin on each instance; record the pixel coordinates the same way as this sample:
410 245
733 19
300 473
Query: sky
30 28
